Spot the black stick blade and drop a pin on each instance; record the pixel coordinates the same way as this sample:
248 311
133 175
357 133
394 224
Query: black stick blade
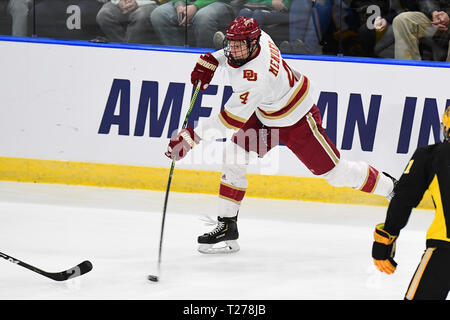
74 272
71 273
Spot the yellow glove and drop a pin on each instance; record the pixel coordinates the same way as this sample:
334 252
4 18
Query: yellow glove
383 250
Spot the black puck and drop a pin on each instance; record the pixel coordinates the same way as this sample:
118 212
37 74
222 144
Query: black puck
153 278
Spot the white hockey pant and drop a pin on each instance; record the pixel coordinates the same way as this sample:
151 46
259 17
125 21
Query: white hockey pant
359 175
233 183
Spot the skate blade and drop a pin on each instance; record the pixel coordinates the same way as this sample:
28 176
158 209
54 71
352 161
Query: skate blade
230 247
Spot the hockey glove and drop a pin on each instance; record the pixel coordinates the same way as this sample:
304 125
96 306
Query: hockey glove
383 250
204 70
180 145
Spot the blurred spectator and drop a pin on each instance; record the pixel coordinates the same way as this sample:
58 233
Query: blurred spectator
18 10
375 35
126 20
66 19
205 16
311 19
267 12
430 24
272 15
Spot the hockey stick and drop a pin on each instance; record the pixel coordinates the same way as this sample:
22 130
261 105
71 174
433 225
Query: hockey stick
76 271
155 278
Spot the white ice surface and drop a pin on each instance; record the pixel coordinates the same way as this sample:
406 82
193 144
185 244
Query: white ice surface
289 249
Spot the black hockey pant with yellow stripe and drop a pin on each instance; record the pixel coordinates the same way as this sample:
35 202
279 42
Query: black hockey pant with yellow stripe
431 281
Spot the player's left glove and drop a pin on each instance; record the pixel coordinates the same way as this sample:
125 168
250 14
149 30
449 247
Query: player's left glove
180 145
383 250
204 70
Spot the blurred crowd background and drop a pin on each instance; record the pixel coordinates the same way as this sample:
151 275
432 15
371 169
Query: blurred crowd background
400 29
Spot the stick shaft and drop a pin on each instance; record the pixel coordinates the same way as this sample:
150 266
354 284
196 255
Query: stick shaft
172 167
20 263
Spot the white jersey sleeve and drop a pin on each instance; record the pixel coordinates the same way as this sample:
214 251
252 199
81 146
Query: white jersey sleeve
220 56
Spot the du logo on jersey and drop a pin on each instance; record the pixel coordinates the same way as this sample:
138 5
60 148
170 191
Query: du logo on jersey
360 119
250 75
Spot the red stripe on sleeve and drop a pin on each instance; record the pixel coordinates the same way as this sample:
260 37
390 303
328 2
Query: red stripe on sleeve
231 121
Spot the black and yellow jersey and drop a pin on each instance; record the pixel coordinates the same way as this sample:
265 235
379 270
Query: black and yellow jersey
429 168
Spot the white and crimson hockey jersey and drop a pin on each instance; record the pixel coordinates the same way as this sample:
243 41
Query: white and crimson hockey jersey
267 86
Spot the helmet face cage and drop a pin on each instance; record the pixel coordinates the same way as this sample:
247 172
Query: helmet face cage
446 124
243 55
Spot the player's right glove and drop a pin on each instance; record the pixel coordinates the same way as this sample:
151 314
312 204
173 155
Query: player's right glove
204 70
180 145
383 250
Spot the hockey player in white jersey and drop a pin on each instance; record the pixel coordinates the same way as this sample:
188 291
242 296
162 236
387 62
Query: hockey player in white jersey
270 103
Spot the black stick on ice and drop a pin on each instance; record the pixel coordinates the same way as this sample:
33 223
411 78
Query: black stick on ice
76 271
155 278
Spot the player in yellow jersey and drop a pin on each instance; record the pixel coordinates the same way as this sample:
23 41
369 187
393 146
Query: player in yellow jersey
429 168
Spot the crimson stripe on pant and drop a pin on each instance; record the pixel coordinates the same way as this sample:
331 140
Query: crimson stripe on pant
232 193
370 183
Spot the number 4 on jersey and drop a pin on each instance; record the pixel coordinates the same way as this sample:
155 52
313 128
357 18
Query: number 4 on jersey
244 97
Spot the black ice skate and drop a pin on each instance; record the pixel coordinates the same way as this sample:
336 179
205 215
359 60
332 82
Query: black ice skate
226 231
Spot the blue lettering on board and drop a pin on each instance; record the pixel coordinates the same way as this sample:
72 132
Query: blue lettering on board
328 102
120 87
149 100
355 117
431 120
118 105
406 126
